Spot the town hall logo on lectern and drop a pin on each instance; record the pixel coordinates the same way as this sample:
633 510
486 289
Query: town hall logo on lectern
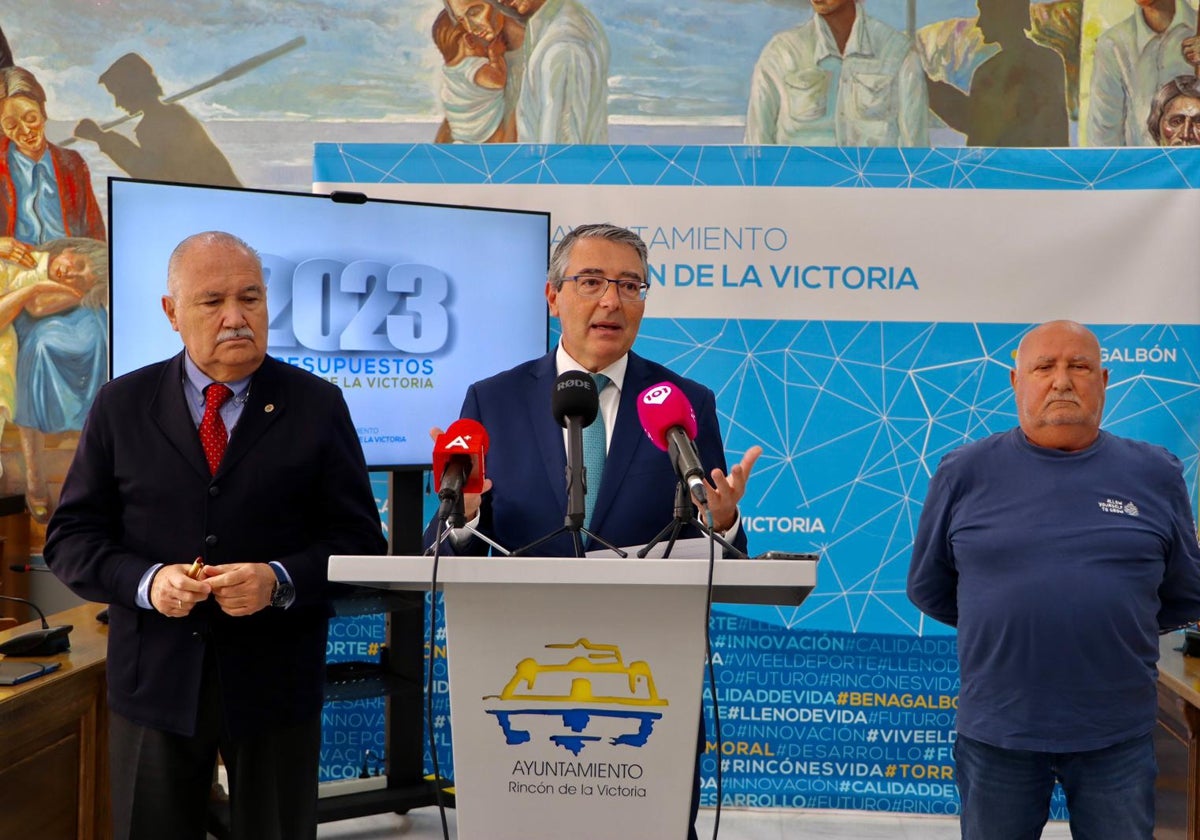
593 697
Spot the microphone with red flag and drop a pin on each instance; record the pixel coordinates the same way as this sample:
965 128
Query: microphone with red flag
670 422
458 463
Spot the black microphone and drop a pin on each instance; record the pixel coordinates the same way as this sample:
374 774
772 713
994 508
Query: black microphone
27 567
47 641
450 489
575 404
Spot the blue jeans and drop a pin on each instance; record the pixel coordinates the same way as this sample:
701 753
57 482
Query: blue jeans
1006 793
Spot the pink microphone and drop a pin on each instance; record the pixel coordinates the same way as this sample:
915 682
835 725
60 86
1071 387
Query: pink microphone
662 406
670 423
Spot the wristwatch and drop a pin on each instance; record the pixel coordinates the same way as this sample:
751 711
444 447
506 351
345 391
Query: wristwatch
283 592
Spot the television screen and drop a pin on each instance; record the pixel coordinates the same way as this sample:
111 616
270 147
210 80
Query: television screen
401 304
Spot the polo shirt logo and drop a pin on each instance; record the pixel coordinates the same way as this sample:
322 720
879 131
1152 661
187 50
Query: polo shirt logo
1119 507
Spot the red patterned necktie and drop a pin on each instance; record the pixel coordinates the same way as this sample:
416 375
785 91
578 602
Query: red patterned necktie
213 436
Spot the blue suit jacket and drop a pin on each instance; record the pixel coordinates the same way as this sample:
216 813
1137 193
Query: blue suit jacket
527 461
292 487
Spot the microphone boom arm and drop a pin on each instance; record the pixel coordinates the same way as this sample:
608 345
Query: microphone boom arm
686 461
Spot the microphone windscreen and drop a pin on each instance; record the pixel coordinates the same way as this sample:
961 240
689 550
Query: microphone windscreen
663 406
464 437
575 396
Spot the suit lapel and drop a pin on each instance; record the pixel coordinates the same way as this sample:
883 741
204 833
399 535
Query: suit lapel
265 404
170 412
538 402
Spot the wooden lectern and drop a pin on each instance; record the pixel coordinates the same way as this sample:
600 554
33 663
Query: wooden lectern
575 684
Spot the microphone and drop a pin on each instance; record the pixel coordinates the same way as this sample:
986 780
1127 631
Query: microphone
670 423
47 641
26 567
575 404
458 463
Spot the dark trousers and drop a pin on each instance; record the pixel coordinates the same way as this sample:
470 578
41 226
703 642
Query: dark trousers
1006 793
161 782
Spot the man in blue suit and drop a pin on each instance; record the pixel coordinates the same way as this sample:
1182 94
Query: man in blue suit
230 655
596 287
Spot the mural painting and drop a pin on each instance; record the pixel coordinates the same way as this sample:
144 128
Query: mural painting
53 264
170 144
1175 113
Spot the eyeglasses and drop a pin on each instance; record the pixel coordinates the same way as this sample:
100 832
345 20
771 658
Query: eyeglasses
596 286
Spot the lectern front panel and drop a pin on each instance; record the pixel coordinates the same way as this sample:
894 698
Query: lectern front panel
575 709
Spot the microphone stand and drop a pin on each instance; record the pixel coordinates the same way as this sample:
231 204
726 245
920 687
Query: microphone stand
576 490
47 641
457 519
575 528
685 515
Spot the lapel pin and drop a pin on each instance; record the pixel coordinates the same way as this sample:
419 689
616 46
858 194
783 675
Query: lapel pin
269 407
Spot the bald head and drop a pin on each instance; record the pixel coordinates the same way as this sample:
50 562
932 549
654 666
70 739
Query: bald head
1036 336
1059 386
209 239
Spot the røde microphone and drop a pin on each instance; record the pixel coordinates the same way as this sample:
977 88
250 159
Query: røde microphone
575 404
458 462
47 641
670 423
575 398
27 567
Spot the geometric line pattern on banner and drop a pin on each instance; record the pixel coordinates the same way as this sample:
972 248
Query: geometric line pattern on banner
854 417
743 166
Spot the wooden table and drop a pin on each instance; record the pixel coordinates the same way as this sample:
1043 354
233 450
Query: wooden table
14 549
54 740
1177 743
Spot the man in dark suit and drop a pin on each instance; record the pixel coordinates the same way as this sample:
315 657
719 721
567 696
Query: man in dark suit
229 656
596 287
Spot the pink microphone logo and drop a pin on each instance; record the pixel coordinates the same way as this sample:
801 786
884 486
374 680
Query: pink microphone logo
657 395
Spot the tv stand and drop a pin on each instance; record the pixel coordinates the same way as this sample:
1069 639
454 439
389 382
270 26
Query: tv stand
400 677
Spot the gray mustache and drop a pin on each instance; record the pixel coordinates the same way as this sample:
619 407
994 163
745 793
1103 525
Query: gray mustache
230 335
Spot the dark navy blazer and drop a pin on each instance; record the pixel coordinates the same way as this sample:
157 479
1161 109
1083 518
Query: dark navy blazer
527 461
292 487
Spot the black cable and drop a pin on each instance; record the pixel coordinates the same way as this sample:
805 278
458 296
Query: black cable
437 773
712 679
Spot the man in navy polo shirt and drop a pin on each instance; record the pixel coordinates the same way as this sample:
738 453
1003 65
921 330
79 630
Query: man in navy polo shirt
1060 552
